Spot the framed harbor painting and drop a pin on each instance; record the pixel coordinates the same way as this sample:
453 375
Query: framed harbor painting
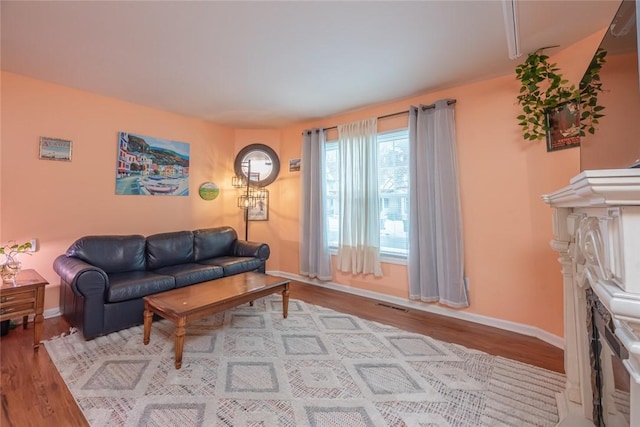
151 166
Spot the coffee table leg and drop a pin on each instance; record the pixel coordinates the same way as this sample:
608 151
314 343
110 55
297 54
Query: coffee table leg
148 317
285 301
179 341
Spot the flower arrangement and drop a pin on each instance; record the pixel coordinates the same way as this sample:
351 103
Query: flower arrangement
11 249
11 266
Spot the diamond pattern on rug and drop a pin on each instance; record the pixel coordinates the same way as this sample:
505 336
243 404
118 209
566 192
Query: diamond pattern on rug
117 375
387 378
339 323
337 416
320 379
245 412
249 367
256 377
254 344
199 343
197 377
297 322
360 346
424 420
303 345
410 345
247 321
165 414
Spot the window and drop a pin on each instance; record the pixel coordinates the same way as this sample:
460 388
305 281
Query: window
393 182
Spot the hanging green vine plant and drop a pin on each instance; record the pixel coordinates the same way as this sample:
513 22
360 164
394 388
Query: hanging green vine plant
590 86
543 87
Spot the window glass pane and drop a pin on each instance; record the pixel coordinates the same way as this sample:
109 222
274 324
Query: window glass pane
393 180
332 187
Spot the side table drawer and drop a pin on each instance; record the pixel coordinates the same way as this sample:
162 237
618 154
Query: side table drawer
17 303
14 297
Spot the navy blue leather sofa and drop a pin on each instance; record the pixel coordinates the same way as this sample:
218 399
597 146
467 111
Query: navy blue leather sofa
104 278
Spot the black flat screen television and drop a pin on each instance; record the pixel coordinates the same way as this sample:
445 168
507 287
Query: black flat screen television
616 141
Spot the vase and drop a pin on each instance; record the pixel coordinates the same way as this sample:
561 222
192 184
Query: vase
9 270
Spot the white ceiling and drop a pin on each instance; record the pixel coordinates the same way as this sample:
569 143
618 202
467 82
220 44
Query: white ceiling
273 63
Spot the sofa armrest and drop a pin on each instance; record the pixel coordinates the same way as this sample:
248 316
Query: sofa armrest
85 279
259 250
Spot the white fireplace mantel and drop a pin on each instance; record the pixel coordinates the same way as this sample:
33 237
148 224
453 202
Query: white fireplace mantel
596 222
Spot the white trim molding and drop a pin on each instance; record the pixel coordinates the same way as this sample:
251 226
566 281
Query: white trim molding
506 325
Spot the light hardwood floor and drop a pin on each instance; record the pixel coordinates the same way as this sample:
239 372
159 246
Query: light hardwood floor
34 394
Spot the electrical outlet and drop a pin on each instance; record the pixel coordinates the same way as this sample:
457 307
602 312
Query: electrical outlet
33 247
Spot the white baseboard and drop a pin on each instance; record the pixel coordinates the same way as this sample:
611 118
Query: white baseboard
52 312
507 325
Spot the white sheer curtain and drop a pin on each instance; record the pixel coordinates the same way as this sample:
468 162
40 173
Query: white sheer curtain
315 260
436 253
359 238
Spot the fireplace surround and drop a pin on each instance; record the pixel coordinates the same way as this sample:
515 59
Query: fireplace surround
596 223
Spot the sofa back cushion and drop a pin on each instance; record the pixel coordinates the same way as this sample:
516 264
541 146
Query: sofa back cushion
113 254
214 242
167 249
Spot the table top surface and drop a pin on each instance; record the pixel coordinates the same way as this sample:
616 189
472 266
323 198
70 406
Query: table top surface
26 278
216 291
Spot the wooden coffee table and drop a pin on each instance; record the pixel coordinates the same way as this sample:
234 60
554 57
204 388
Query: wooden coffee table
190 303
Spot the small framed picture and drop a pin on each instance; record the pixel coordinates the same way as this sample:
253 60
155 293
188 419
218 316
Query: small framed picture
260 212
563 122
294 165
55 149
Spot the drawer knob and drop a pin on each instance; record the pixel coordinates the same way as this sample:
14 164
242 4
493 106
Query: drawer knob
6 310
5 299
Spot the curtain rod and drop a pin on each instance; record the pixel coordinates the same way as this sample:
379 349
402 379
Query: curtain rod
386 116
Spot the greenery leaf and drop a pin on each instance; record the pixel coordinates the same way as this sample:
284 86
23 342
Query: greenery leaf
542 87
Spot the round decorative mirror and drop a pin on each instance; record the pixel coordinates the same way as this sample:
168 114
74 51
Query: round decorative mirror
263 161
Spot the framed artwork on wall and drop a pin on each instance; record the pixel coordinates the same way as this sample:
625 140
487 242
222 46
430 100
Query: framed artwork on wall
563 122
260 212
294 165
55 149
149 166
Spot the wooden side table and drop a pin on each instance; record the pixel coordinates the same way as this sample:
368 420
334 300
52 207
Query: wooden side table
22 298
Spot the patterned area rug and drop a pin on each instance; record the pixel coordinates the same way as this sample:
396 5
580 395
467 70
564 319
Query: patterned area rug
249 367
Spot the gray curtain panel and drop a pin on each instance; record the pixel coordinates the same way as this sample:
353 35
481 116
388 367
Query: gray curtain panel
436 252
315 260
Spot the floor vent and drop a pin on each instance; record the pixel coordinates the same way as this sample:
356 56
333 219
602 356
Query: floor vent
392 307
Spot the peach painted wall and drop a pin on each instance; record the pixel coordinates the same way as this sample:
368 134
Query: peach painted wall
615 144
513 272
58 202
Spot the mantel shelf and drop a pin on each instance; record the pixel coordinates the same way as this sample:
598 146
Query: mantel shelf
599 188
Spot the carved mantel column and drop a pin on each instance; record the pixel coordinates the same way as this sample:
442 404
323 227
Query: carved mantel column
596 223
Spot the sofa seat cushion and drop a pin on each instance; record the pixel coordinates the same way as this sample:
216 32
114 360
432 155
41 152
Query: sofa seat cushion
234 264
188 274
137 284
